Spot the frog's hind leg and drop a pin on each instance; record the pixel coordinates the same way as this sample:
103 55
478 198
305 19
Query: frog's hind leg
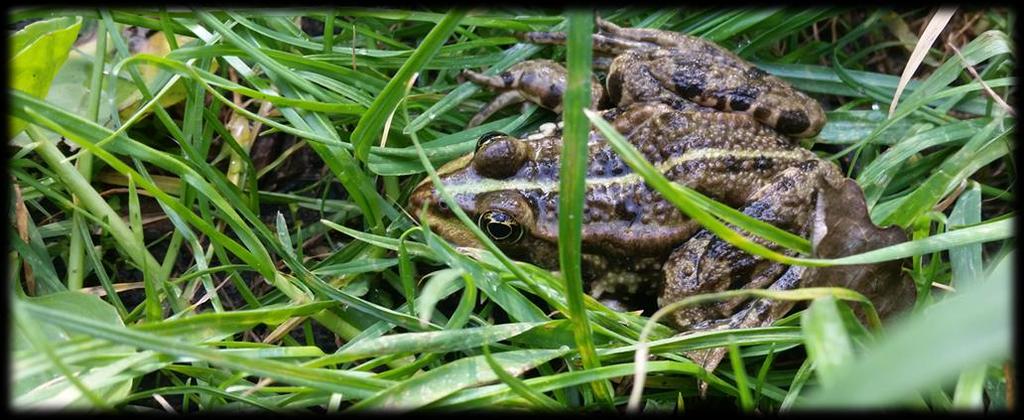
707 263
759 313
716 78
504 99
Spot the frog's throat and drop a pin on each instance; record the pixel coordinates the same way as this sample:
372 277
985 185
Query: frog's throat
482 185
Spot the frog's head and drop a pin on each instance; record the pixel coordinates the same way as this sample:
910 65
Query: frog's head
501 187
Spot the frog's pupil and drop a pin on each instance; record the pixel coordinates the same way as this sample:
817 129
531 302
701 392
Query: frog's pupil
501 226
499 230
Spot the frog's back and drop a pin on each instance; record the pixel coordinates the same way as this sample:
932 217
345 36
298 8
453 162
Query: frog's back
723 155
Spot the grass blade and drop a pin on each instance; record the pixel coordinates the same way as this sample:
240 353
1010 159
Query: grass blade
452 377
894 369
572 186
384 105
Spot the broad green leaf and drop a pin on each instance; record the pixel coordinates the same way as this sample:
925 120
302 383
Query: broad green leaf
48 387
37 53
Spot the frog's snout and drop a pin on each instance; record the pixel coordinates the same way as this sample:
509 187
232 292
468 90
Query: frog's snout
422 195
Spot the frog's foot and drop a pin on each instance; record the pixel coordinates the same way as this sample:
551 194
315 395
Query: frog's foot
539 81
759 313
707 264
648 37
843 228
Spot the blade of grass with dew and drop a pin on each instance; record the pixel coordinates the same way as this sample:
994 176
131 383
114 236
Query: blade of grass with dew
503 294
826 80
538 399
491 395
515 23
352 177
642 350
35 255
152 305
986 46
876 176
91 199
966 266
211 81
709 339
740 372
433 291
986 146
76 252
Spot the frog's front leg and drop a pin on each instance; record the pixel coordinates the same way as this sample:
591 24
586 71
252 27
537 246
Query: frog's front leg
542 82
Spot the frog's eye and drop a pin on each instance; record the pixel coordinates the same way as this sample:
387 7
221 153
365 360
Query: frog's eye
500 226
499 155
486 138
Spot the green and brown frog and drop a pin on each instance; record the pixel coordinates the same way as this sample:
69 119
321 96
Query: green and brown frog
708 120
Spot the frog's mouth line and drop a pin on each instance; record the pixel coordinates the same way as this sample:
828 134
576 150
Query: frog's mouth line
482 185
451 229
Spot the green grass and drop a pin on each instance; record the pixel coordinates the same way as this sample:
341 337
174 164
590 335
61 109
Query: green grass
163 264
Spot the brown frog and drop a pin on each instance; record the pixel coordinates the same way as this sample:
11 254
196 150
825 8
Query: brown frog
706 119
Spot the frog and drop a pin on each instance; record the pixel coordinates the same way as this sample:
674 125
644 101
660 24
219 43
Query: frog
704 118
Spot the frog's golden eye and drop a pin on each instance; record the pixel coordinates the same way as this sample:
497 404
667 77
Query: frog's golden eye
487 137
500 226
